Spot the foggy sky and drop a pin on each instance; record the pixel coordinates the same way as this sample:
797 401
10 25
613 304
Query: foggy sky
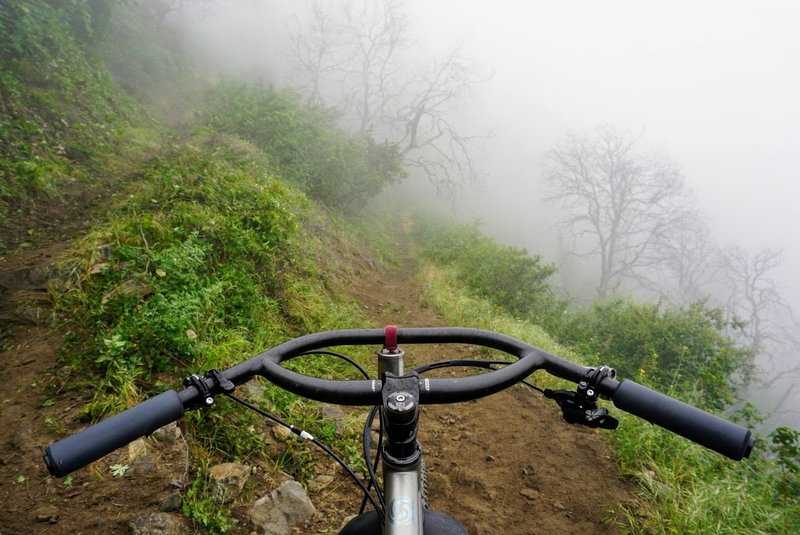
714 85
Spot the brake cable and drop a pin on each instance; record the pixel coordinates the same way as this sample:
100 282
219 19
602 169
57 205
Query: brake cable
228 391
304 434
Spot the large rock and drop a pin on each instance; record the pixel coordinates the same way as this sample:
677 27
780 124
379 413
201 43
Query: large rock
228 480
286 507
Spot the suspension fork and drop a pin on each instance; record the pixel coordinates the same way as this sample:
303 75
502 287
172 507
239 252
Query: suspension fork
402 454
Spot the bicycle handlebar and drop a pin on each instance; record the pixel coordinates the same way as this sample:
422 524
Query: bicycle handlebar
98 440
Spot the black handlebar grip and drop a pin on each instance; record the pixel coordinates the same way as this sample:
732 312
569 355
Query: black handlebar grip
80 449
713 432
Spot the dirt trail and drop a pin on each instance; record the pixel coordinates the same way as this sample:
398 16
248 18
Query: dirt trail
505 464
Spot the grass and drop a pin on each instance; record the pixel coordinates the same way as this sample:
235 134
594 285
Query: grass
683 487
205 261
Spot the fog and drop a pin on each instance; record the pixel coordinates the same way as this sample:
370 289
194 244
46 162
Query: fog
713 85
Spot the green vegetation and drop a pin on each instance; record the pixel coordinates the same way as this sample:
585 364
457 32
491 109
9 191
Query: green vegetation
60 111
684 487
304 145
682 349
506 276
203 263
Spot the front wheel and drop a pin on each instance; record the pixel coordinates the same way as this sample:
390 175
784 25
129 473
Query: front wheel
434 523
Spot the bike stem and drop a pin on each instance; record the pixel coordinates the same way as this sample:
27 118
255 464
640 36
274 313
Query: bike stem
402 454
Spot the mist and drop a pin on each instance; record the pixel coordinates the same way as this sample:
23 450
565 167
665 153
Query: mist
712 85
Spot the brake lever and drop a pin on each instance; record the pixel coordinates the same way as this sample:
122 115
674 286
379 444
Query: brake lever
580 410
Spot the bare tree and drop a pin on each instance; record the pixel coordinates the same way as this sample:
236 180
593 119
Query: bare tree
314 49
754 301
617 200
350 57
679 262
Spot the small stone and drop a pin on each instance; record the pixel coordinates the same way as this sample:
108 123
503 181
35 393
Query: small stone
336 415
491 458
320 482
169 434
142 466
172 502
531 494
48 513
528 470
285 507
281 433
191 335
559 506
156 524
137 448
254 390
229 480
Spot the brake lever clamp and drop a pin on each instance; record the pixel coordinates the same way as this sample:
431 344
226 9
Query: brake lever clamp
205 397
580 407
589 387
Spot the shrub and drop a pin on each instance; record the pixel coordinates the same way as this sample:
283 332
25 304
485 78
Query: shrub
304 145
684 350
507 276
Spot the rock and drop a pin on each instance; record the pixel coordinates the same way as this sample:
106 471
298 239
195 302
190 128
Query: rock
172 502
559 506
157 524
529 470
253 390
169 434
136 449
48 513
229 480
286 507
142 466
320 482
531 494
491 458
281 433
335 415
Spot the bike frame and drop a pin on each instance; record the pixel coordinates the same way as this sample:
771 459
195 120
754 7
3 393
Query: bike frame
403 487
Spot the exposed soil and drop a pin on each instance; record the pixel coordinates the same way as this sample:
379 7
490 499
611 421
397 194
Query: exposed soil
505 464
